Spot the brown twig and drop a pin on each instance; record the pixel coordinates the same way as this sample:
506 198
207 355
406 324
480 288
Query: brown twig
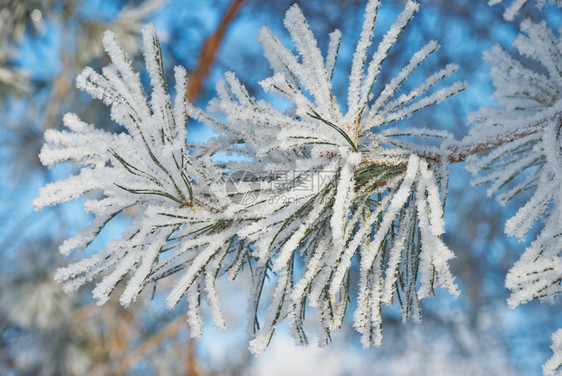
210 47
191 363
459 151
172 329
383 162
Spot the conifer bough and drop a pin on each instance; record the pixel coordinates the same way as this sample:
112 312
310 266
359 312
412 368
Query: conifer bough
329 182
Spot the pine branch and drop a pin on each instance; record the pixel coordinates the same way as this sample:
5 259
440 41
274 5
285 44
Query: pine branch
524 143
459 151
339 187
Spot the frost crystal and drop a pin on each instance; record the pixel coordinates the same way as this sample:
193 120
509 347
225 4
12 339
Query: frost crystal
326 185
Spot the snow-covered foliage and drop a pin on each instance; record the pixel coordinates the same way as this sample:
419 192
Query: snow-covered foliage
552 366
147 167
312 188
375 195
524 135
514 8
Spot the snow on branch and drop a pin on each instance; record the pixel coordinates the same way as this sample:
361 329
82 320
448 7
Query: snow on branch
531 109
341 187
554 364
529 159
316 186
146 167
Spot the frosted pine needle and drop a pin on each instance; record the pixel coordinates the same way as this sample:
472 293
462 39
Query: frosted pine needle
316 186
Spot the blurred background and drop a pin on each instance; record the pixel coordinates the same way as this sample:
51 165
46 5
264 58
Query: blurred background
44 45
